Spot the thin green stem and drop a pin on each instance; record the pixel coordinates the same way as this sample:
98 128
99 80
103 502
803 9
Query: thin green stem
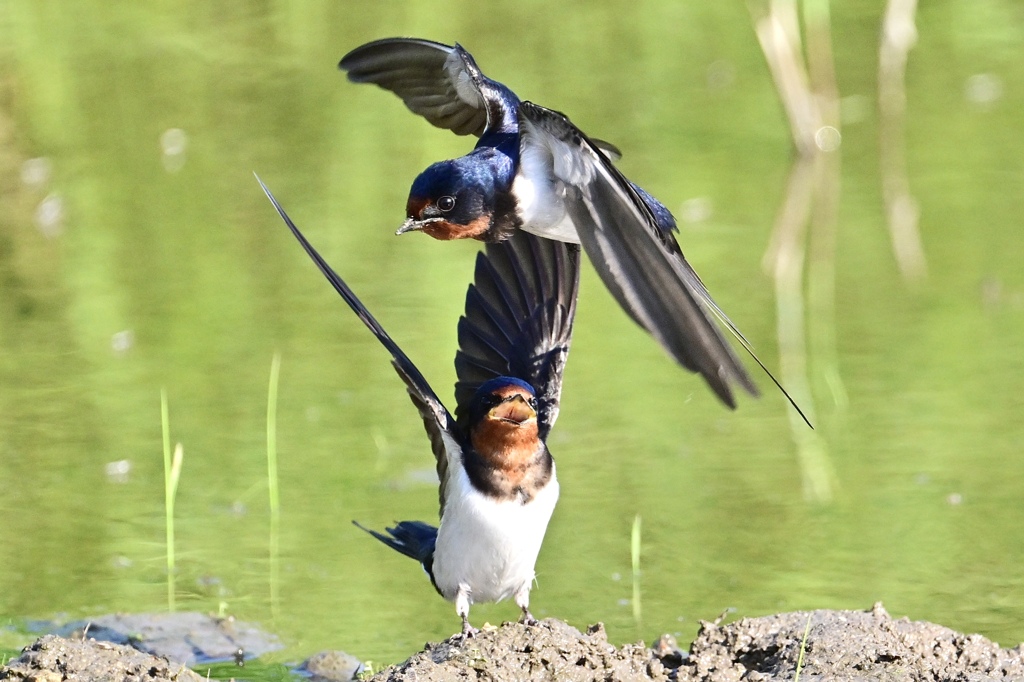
275 501
803 648
172 472
634 552
275 373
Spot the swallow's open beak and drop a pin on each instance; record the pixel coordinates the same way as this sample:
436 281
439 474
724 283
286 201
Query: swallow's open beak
515 410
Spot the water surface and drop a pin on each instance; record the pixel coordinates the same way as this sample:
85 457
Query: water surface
138 253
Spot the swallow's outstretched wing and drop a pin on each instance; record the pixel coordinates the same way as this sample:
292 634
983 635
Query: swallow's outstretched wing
439 82
518 320
445 439
636 256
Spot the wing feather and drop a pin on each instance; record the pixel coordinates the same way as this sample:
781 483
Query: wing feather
637 258
518 320
445 439
432 79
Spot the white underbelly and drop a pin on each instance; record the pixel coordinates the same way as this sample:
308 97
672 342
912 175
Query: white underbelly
489 546
540 202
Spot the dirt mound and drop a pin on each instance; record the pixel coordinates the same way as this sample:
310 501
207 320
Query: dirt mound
552 650
839 645
846 646
52 659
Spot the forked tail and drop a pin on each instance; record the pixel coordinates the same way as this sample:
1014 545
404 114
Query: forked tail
414 539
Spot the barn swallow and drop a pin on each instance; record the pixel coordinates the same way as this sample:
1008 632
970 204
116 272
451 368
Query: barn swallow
534 170
498 487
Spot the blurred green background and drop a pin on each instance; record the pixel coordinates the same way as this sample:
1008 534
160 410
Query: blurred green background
137 253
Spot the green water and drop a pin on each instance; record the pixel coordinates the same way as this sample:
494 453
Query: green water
149 270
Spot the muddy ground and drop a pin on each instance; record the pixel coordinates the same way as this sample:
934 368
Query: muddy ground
834 645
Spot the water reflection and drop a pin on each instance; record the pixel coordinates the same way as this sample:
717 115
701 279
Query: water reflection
808 215
902 212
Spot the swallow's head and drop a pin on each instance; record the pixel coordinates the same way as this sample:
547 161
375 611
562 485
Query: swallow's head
451 200
503 419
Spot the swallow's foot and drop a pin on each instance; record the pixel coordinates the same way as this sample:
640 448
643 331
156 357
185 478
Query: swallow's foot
468 630
528 619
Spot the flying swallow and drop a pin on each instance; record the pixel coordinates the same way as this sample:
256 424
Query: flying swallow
498 487
533 170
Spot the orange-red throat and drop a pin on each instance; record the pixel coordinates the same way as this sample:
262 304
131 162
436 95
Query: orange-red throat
507 436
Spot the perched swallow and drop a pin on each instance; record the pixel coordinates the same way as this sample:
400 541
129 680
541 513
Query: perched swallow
533 170
498 486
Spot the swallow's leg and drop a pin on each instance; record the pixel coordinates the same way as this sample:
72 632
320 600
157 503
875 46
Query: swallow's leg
462 602
523 602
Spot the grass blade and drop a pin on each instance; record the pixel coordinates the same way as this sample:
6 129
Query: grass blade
172 473
634 552
275 501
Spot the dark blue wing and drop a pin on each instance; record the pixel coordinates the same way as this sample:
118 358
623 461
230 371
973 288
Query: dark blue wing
636 256
518 320
439 82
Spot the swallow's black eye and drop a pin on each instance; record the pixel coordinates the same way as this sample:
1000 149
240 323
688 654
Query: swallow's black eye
532 402
446 203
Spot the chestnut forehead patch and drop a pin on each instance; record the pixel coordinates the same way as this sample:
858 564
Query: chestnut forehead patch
415 205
